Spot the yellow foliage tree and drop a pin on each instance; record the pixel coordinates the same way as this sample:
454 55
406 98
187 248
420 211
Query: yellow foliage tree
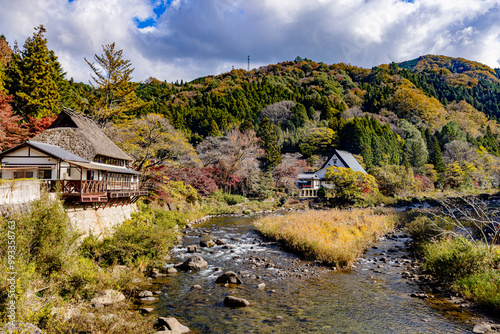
348 184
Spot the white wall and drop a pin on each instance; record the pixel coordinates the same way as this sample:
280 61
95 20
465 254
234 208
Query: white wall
99 222
19 191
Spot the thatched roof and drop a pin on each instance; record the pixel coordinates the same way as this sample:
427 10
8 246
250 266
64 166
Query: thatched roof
81 136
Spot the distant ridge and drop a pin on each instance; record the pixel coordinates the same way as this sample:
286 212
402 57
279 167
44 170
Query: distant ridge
448 65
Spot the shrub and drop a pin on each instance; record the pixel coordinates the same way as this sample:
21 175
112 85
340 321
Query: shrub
234 199
455 258
482 287
394 180
131 242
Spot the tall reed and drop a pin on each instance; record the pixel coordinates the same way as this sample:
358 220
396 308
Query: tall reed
337 237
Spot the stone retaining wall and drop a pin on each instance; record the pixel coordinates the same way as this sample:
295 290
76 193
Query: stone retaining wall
19 191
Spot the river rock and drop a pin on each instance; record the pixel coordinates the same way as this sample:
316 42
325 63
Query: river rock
207 243
155 273
107 297
149 299
145 293
197 287
146 310
192 248
170 325
219 242
484 327
261 286
231 301
228 277
171 270
194 263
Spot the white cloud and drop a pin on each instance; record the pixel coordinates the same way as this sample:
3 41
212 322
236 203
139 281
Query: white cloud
195 38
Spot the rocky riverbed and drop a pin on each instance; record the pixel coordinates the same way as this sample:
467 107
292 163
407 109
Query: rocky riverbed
385 292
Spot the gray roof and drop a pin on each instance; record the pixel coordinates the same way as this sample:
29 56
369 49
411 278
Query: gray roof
350 161
81 136
109 168
55 151
308 176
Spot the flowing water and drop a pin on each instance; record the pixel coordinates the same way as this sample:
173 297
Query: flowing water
300 296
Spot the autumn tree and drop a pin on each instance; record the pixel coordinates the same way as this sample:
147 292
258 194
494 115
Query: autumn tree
11 133
347 184
152 137
318 141
32 76
286 173
394 180
231 157
269 141
116 97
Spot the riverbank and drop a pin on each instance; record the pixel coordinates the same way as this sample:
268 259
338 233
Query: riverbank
335 237
457 247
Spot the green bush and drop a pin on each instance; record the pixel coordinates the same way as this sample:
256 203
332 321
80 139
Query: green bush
234 199
453 259
131 242
483 287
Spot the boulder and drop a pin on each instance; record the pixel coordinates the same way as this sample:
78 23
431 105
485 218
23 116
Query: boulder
482 327
228 277
145 293
146 310
194 263
207 243
171 270
155 273
219 242
192 248
261 286
170 325
231 301
107 297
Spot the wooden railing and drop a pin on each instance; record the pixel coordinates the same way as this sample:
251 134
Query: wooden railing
89 186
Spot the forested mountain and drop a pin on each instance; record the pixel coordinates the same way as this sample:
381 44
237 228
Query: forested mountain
428 113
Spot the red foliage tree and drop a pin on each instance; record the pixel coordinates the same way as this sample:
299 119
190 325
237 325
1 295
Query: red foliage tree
35 126
11 132
199 178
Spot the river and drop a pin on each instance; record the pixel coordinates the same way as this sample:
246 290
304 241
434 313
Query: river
300 295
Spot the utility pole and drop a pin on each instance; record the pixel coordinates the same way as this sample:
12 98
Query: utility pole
248 64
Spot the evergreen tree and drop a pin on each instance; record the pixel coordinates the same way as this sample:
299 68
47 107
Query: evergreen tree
116 98
214 129
269 141
33 75
246 126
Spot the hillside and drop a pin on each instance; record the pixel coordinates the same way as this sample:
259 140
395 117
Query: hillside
456 70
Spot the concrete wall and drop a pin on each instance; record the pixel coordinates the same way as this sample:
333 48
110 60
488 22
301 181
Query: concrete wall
99 222
19 191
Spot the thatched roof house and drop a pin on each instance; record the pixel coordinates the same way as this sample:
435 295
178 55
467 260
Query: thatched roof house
75 156
82 136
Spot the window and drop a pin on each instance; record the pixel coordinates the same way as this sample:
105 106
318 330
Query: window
45 174
23 174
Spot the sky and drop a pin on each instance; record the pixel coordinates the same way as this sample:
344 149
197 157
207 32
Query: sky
185 39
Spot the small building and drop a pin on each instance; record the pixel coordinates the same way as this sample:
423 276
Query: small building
75 157
309 183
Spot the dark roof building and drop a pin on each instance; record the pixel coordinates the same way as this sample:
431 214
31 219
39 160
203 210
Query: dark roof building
81 136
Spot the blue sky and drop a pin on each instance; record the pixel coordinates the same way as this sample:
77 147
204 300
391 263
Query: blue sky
185 39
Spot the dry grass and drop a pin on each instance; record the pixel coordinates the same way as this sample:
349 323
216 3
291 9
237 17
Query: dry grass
337 237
